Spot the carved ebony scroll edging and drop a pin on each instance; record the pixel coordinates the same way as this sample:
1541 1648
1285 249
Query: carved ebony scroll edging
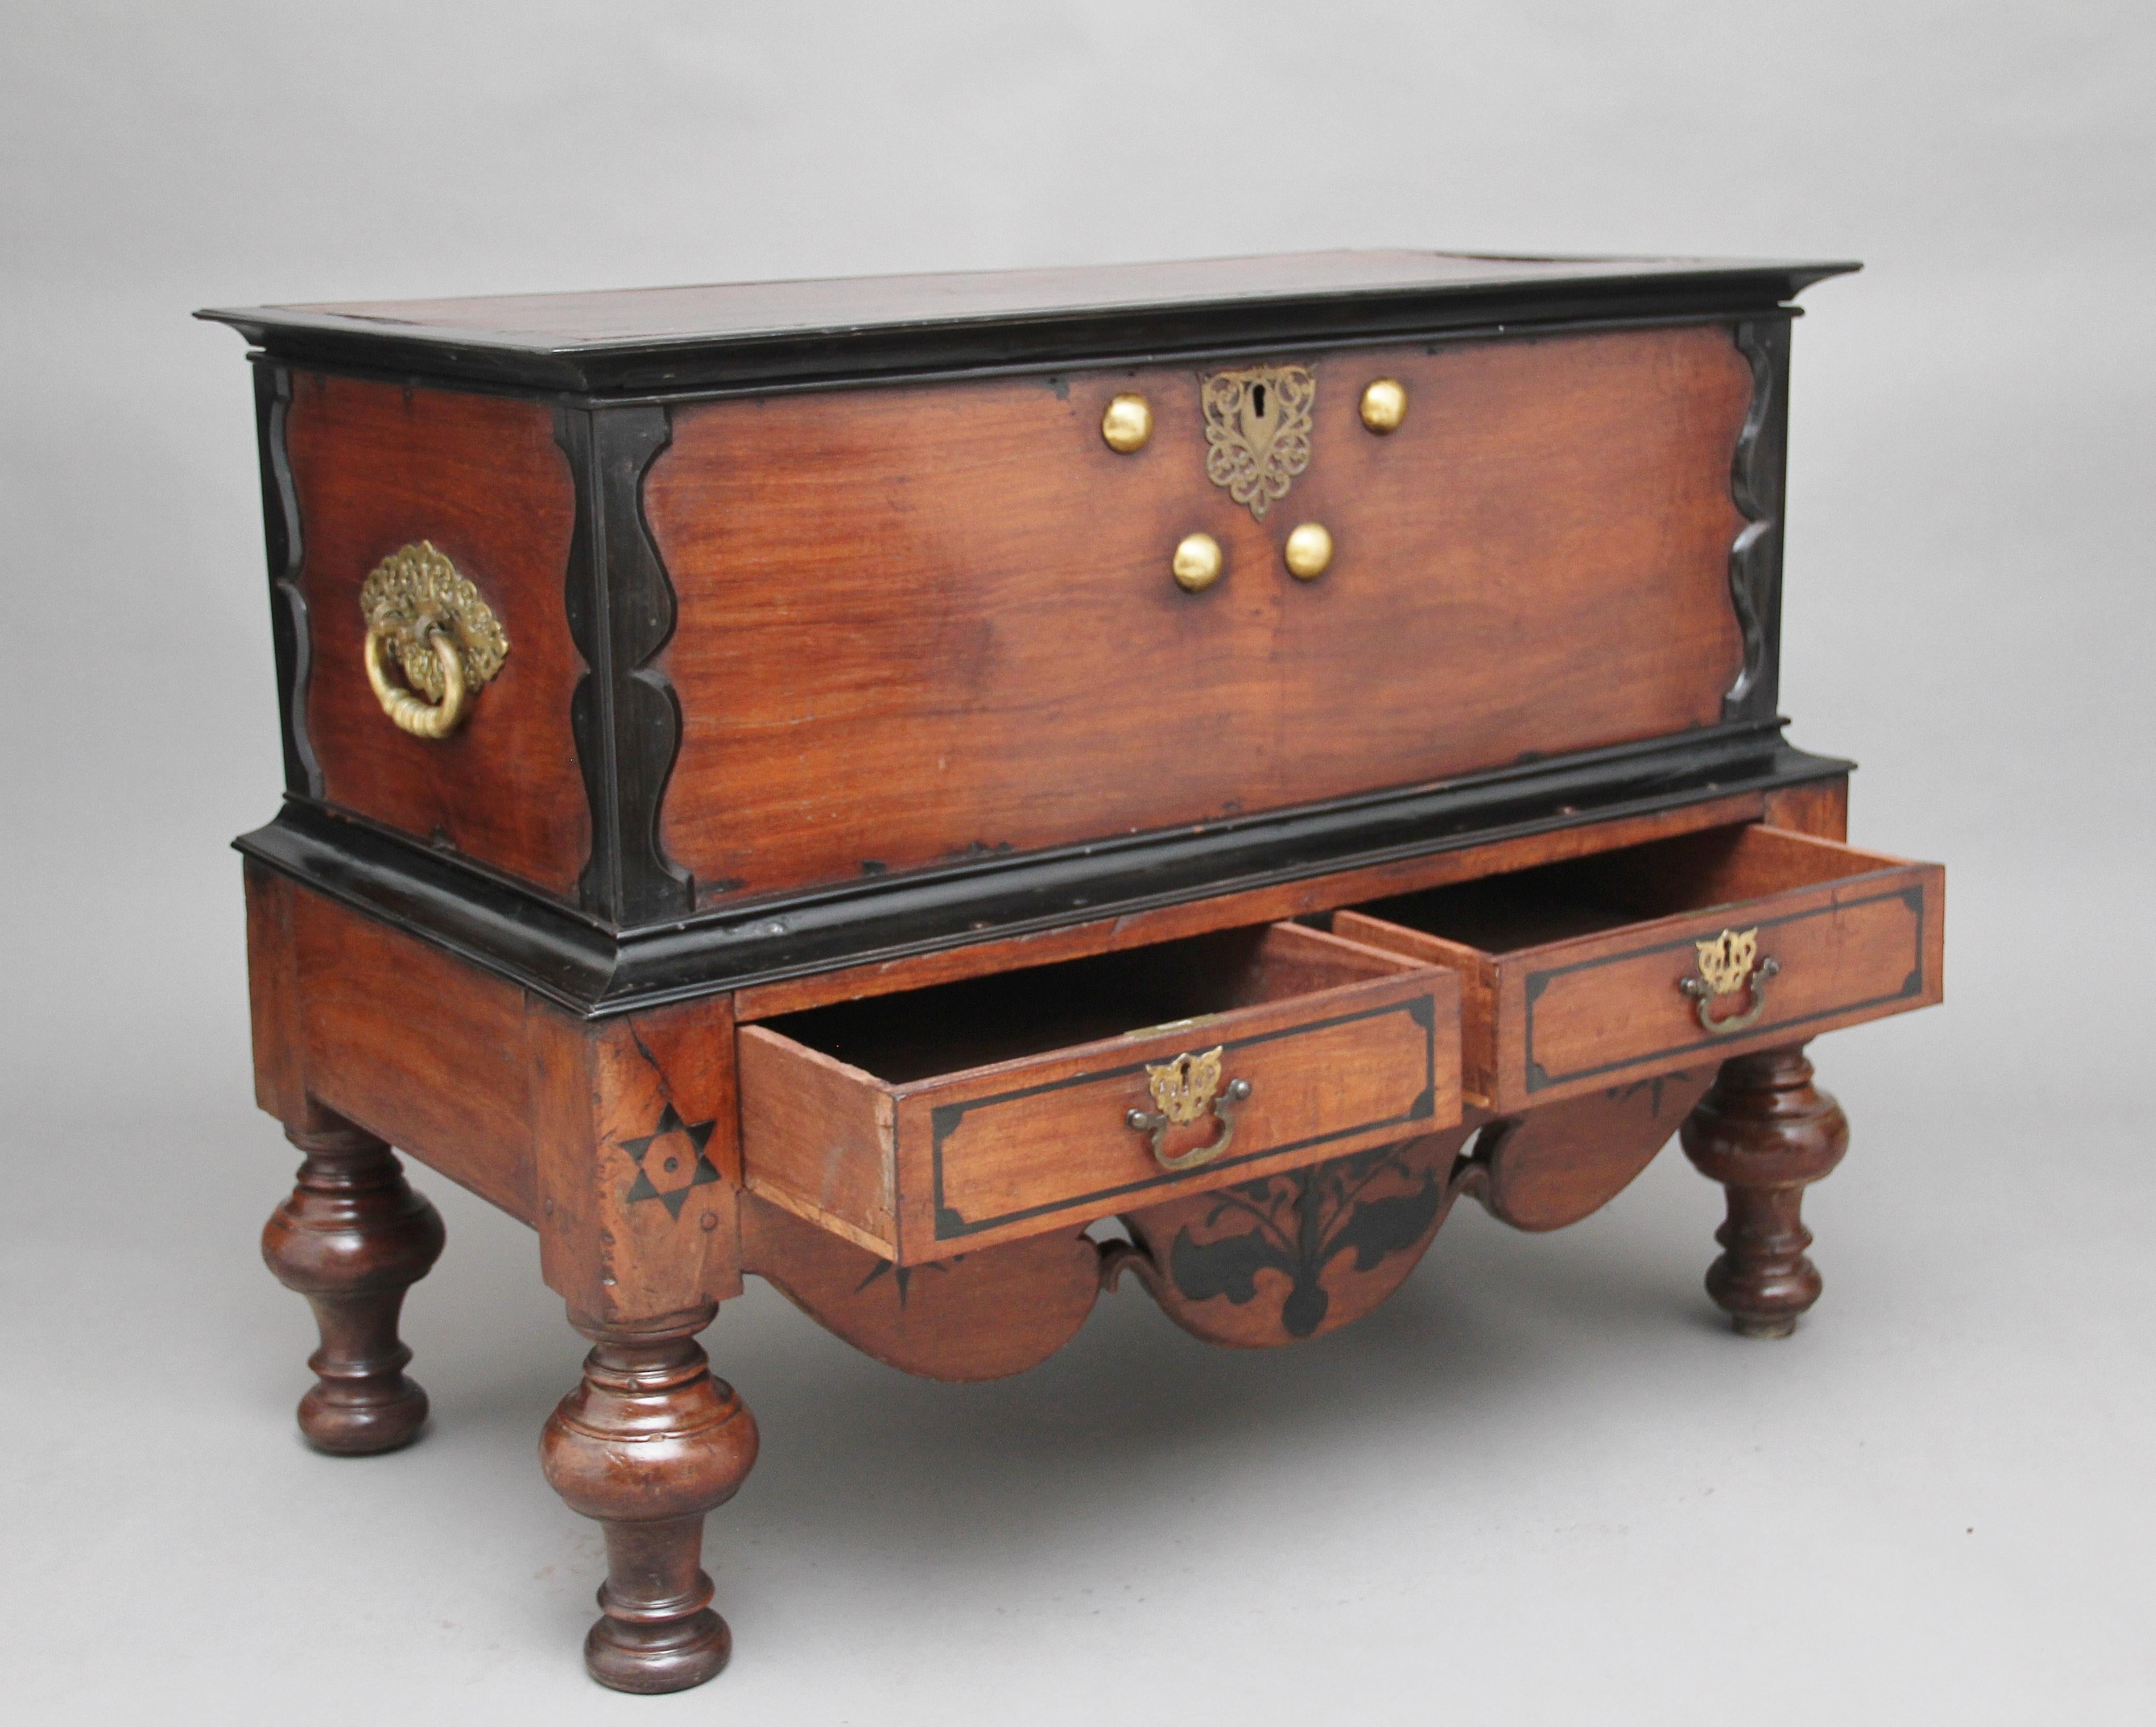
625 715
1756 486
288 607
574 959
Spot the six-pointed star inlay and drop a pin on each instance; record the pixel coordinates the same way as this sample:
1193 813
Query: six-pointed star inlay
670 1160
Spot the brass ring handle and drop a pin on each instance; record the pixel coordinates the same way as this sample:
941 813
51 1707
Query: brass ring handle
408 712
445 638
1702 994
1156 1122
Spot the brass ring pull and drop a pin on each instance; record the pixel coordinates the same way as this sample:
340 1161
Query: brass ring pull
1728 964
1182 1090
408 712
444 640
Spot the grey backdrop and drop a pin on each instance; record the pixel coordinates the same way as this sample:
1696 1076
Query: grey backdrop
1542 1485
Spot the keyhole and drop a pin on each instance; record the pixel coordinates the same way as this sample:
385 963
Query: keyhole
1258 400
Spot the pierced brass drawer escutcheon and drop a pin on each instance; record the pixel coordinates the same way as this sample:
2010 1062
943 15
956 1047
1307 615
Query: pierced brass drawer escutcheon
1728 962
442 636
1182 1091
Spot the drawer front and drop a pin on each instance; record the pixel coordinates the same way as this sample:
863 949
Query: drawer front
1320 1047
930 622
1857 954
1818 935
997 1161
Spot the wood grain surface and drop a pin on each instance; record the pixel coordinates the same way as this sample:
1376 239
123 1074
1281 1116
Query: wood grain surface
928 623
376 467
1563 1161
1220 911
977 1316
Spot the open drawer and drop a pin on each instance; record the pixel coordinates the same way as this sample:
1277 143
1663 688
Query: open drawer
927 1123
1599 971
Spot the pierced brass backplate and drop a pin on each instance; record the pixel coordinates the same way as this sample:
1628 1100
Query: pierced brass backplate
1183 1088
1727 963
1257 432
443 636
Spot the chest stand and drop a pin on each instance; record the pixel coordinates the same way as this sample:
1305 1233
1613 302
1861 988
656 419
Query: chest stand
620 1142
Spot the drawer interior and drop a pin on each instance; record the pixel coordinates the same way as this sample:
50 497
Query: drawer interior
1586 896
1012 1015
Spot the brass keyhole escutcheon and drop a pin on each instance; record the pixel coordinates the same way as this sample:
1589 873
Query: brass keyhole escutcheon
1384 405
1127 424
1309 551
1198 561
1257 432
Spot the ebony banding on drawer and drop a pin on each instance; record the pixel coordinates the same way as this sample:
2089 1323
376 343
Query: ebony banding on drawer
927 1123
1590 973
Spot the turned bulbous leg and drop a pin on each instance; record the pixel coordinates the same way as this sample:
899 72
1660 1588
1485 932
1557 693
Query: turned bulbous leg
1765 1133
352 1238
647 1445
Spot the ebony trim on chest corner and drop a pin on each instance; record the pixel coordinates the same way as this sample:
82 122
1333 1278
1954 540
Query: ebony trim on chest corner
288 636
624 714
574 959
1757 477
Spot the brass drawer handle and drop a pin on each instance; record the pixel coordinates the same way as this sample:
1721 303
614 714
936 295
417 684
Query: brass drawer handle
443 636
1726 964
1182 1091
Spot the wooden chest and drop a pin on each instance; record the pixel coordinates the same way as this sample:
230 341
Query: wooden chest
824 779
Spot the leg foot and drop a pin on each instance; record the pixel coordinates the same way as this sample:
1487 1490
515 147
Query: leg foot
352 1238
646 1445
1765 1133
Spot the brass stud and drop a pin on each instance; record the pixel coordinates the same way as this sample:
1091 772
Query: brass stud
1127 424
1384 405
1196 562
1309 551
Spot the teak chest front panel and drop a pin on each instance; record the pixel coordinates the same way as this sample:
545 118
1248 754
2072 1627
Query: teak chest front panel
918 624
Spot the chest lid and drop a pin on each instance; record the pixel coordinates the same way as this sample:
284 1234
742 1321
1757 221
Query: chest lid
765 334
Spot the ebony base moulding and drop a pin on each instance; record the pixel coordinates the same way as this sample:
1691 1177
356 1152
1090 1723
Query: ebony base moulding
859 783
